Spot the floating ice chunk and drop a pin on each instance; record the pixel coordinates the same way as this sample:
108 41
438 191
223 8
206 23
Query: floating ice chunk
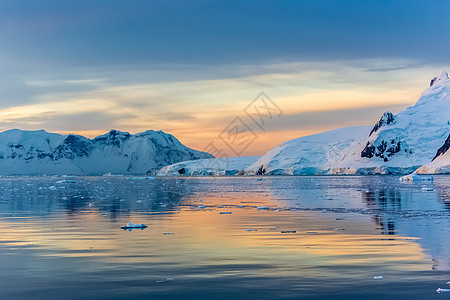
201 207
168 233
427 189
263 207
131 226
378 277
168 280
90 204
66 181
225 212
439 290
288 231
53 188
415 177
250 229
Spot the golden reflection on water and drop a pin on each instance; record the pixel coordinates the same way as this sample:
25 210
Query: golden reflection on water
193 236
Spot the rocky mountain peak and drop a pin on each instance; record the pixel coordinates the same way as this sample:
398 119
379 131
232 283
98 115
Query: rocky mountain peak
443 76
386 119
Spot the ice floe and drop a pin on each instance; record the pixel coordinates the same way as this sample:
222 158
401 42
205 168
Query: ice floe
133 226
416 177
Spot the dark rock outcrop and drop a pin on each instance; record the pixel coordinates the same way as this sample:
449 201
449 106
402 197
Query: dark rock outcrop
386 119
443 149
73 146
261 171
383 149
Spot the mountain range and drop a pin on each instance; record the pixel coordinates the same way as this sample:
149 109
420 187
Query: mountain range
43 153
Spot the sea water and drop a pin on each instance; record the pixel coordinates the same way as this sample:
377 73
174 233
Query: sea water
367 237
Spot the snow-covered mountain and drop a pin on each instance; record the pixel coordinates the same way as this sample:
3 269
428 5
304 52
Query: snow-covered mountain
397 144
41 152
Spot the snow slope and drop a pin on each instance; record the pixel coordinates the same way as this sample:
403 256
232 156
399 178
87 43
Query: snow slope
209 167
43 153
440 163
311 155
397 144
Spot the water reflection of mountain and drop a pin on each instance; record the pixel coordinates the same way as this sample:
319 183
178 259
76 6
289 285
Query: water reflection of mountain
112 195
416 210
408 209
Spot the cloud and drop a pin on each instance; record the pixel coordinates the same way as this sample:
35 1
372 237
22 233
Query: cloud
314 96
97 82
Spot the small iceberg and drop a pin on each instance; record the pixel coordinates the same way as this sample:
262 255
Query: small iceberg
439 290
111 175
133 226
378 277
66 181
416 177
168 280
427 189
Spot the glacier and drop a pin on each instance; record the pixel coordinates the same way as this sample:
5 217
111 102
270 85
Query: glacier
43 153
226 166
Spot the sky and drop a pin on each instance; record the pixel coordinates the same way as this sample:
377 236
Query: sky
190 68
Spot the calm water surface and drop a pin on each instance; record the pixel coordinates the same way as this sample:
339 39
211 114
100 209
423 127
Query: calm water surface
62 240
